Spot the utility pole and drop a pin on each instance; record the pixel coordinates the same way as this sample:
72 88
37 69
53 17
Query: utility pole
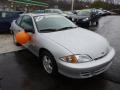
72 5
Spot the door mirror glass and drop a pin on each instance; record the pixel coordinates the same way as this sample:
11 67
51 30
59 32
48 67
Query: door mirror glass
28 28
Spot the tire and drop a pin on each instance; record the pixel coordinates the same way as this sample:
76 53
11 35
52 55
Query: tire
97 23
88 25
14 40
49 63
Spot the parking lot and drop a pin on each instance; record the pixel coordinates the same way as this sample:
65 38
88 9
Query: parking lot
21 70
7 45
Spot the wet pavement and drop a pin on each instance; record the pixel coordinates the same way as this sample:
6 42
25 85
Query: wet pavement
110 28
22 70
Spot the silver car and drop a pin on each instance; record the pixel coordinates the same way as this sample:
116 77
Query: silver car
57 11
63 47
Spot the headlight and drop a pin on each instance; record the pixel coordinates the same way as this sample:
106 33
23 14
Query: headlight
85 19
72 19
76 58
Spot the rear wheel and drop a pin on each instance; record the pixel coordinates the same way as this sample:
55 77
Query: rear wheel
49 63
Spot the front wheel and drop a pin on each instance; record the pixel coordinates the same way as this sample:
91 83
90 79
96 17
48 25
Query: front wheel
49 63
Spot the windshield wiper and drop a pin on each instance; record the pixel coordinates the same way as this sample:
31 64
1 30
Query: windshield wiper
47 30
54 30
65 28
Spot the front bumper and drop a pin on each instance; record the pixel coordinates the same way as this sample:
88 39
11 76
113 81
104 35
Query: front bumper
88 69
83 23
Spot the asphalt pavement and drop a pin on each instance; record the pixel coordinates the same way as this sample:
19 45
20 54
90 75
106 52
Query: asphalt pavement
21 70
109 27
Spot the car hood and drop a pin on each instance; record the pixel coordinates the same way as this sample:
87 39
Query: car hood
81 41
81 17
64 14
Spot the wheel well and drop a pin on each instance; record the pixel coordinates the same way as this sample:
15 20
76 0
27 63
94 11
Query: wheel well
42 50
46 50
55 67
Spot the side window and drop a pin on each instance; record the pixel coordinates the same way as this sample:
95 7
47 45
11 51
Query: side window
27 22
19 20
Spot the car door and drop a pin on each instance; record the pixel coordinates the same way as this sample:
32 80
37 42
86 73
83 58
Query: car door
26 24
15 25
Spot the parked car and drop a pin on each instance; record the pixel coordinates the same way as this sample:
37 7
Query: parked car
85 17
58 11
63 47
39 11
102 12
70 15
6 18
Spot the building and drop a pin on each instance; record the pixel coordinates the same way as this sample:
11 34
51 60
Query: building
21 5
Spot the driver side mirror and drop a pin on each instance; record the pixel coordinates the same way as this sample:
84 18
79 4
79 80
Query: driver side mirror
29 28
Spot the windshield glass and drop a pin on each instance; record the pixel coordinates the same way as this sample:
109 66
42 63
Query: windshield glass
53 22
84 13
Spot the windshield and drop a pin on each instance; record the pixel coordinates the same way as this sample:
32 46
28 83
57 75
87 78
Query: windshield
84 13
54 22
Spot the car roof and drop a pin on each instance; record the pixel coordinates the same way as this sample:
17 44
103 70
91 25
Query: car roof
40 14
52 9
